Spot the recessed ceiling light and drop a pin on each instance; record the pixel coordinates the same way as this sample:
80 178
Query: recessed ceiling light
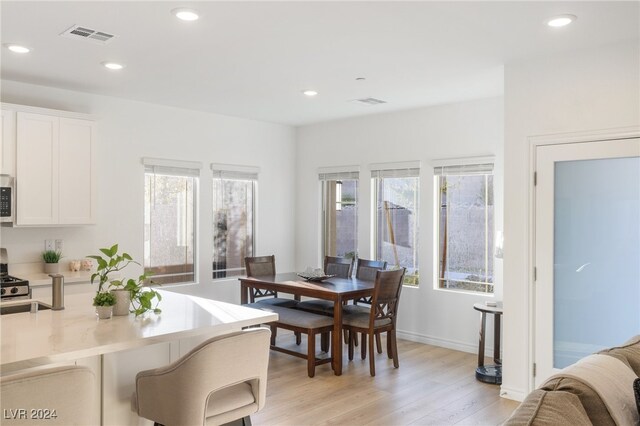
18 49
561 20
310 93
360 79
112 65
185 14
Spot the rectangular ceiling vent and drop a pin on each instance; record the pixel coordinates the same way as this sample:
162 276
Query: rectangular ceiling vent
83 33
370 101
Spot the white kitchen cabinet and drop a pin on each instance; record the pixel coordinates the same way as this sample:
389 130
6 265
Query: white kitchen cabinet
8 142
55 172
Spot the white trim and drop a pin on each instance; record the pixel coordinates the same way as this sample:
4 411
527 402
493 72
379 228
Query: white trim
513 394
338 169
219 167
47 111
466 161
149 161
395 166
443 343
541 140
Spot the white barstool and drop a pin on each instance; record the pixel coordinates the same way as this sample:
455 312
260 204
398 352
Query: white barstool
219 381
56 396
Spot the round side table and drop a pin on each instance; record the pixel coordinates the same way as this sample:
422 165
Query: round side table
489 373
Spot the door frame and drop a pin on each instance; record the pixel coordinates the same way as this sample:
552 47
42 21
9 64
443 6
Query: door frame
534 142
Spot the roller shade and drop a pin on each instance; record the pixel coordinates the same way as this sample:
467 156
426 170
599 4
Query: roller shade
230 171
160 166
396 170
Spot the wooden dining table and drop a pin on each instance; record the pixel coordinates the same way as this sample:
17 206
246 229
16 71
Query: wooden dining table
334 289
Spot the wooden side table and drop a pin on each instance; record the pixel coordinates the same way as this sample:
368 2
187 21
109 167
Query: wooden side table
489 373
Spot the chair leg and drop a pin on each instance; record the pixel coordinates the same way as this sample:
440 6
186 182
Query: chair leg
324 342
274 331
372 358
389 349
311 354
355 339
351 335
363 349
394 347
346 338
246 421
378 343
298 338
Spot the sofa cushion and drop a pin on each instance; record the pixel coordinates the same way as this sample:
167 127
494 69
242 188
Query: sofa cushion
593 406
542 408
629 353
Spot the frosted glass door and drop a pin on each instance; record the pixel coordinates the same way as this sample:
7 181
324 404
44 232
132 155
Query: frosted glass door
587 250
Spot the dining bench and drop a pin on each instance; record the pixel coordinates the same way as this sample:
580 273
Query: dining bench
300 322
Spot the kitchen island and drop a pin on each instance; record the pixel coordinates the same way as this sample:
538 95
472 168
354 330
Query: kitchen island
119 347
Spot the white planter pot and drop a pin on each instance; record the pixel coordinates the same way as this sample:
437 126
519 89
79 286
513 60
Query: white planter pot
51 268
123 301
104 312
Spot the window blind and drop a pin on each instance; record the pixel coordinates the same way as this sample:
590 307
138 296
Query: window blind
463 169
395 170
339 176
228 171
171 167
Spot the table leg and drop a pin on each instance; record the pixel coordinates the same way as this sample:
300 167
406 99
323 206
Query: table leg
483 323
244 290
497 359
336 346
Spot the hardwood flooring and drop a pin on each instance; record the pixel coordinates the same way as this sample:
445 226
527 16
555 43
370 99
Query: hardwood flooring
433 386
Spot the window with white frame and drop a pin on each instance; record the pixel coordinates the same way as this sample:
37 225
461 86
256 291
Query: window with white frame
464 222
170 190
396 226
234 197
340 213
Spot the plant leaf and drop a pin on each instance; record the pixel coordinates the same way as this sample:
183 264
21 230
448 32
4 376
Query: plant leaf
126 256
107 252
113 249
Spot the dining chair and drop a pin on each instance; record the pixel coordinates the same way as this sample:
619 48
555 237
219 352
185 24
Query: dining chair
366 270
341 267
67 393
380 318
260 266
219 381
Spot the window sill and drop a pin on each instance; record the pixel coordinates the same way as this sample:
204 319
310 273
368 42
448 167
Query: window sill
466 292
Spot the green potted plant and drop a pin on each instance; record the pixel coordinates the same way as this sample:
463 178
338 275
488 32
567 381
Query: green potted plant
128 293
104 301
51 261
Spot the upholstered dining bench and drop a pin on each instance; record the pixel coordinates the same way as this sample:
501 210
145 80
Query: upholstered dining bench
300 322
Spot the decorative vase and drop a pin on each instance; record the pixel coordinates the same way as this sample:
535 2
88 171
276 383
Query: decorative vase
123 300
104 312
51 268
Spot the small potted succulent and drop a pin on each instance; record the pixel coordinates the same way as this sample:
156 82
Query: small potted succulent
104 301
51 261
128 293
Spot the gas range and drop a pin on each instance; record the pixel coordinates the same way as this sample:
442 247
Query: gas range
11 288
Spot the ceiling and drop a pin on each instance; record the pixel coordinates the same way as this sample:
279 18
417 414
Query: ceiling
254 59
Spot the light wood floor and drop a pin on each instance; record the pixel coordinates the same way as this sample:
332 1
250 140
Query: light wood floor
433 386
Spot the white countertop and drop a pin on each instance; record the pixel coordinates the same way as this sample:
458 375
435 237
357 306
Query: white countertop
50 336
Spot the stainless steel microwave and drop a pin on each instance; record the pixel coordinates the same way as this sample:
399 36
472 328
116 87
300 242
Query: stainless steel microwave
7 199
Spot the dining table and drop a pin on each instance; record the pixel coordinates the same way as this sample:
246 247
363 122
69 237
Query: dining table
338 290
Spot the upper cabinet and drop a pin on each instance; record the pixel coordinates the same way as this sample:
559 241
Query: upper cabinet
8 143
54 169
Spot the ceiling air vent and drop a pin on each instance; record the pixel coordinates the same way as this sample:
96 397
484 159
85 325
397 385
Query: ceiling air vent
370 101
83 33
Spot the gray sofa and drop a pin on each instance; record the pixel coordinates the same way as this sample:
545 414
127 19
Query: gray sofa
568 400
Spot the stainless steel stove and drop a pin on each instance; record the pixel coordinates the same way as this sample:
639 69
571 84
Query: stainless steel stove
11 288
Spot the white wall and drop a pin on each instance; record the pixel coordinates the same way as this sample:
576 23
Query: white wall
580 91
456 130
128 131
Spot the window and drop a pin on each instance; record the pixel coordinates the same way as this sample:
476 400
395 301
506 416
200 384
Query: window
169 220
340 213
464 215
396 201
234 193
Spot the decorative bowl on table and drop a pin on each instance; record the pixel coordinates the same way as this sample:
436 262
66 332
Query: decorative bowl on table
311 274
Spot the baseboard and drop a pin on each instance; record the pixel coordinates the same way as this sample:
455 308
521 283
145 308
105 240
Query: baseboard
444 343
513 394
